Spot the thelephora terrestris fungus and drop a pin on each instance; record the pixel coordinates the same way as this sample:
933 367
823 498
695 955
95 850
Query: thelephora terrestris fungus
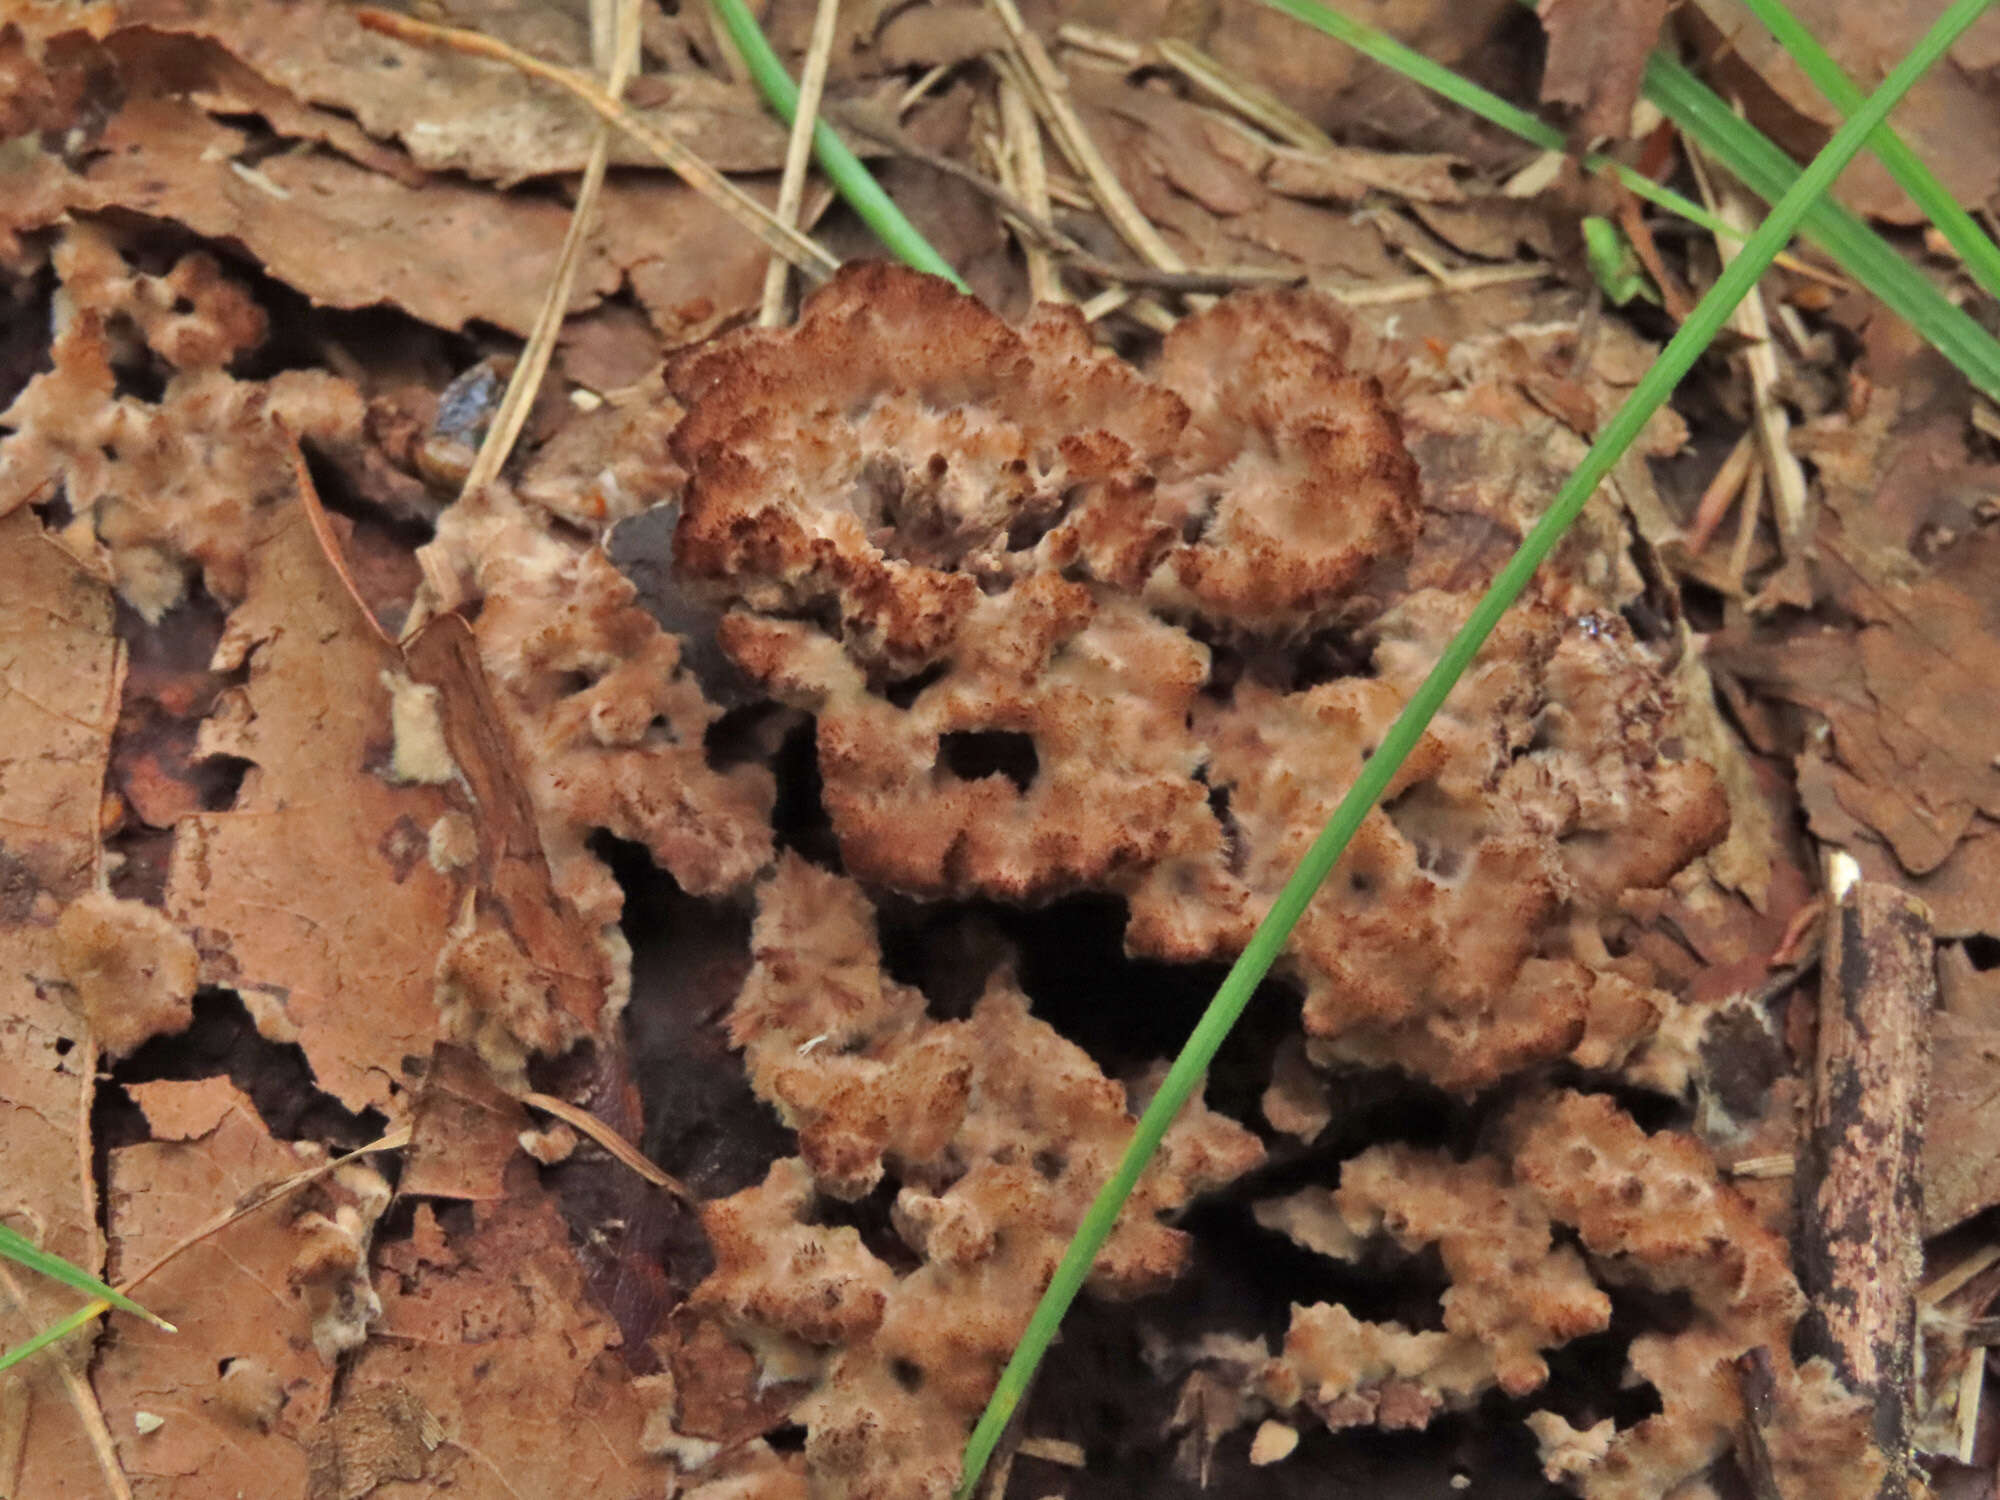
928 528
1175 611
996 1133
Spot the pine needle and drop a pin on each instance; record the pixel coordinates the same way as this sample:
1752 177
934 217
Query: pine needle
690 168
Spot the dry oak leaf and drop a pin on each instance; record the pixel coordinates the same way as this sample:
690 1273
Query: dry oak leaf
241 1384
1597 56
1948 118
314 894
60 676
469 115
345 236
498 1341
1912 753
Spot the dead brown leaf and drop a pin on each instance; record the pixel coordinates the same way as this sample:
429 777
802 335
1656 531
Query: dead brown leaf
498 1340
314 896
1597 54
465 115
240 1385
447 252
60 670
466 1131
1909 753
1949 118
1961 1154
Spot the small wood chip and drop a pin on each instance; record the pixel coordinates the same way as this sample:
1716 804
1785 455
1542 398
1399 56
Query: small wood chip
1274 1441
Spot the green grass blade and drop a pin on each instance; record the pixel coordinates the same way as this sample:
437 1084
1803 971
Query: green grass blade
1215 1024
55 1332
843 168
17 1247
1980 255
1856 248
1490 107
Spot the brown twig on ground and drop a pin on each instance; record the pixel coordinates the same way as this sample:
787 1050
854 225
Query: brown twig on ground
1048 90
1131 273
618 39
798 155
1721 492
1861 1176
1672 294
1760 1400
625 1152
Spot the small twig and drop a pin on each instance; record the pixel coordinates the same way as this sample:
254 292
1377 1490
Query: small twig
1107 44
1946 1284
1722 489
322 530
798 153
1746 529
1971 1391
1049 91
1782 980
849 176
86 1100
1253 102
621 58
863 122
1028 177
609 1139
263 1197
1784 475
1673 296
1417 288
911 96
1759 1168
1861 1177
1053 1450
696 173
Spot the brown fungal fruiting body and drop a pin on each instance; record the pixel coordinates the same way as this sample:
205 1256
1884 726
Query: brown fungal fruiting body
1063 627
1051 615
132 969
998 1133
1647 1211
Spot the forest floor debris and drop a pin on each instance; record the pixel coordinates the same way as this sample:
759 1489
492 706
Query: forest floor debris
838 757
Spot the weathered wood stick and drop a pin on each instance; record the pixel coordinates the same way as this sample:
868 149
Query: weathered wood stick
1861 1191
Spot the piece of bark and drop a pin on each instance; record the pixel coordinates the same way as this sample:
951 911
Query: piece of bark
1861 1194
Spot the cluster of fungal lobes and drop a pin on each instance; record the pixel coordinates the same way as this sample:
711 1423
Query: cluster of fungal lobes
1177 609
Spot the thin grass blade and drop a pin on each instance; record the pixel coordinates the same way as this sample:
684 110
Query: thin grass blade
17 1247
1272 933
1961 232
1764 169
844 169
55 1332
1490 107
1856 248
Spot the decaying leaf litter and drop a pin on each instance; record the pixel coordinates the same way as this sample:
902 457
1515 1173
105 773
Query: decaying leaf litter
839 758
